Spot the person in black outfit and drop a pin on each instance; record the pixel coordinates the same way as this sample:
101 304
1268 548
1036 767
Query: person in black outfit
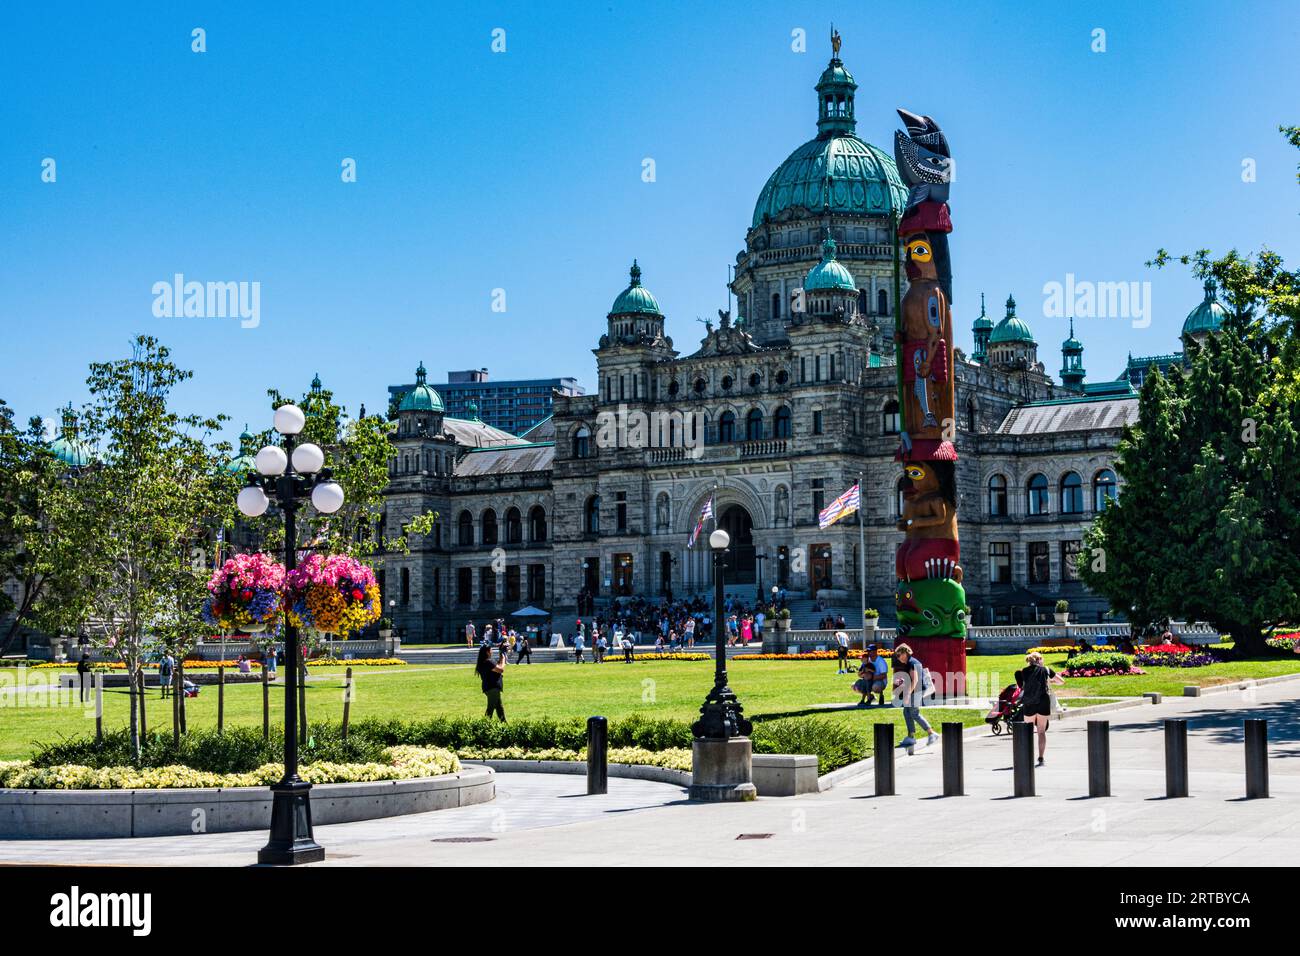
83 668
490 673
524 649
1035 699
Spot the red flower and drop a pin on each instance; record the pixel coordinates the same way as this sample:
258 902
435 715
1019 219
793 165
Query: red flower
357 594
246 595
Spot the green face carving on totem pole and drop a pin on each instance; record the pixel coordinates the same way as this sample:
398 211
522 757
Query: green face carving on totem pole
931 607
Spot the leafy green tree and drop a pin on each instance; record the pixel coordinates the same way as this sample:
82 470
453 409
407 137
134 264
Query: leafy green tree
159 491
42 543
1208 525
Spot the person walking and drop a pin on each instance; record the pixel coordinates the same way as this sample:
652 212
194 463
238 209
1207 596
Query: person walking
913 689
601 646
746 630
841 652
269 661
470 634
491 674
577 647
1035 681
523 648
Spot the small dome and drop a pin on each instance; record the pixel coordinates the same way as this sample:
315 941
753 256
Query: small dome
829 274
983 323
1208 316
243 462
422 398
67 447
1072 344
1011 328
636 299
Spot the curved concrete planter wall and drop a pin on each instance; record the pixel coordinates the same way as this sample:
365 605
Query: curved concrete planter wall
95 814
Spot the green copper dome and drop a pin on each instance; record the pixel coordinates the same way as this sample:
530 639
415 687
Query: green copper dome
1208 316
829 274
1071 344
422 398
636 298
837 171
1011 328
244 462
67 447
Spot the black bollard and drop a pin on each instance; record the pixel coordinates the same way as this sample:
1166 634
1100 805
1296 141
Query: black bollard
954 774
1099 758
883 761
1022 758
1175 757
597 755
1256 759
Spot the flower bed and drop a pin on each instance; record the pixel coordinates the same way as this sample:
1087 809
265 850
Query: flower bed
1174 655
809 656
1095 648
1284 642
650 655
1100 665
677 758
357 662
398 763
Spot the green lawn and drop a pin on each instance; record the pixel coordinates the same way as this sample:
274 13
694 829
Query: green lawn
656 688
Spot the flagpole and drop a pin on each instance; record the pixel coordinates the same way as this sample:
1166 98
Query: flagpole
862 568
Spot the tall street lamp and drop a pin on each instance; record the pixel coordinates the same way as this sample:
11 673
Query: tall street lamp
289 474
721 715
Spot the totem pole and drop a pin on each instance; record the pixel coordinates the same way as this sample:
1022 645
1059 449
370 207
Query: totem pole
930 599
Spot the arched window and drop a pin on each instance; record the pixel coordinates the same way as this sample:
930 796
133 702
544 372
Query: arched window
997 497
891 421
465 529
489 527
1037 499
1071 493
754 424
537 524
582 442
781 423
514 527
1104 489
591 515
727 427
882 302
776 305
970 414
902 486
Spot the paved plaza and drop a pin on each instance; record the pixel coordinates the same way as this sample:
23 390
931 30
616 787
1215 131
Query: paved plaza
548 820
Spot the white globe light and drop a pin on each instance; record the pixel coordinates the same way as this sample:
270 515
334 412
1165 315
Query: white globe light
327 497
289 419
271 461
308 459
719 540
252 501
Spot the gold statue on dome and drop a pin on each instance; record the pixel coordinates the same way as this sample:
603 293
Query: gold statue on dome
835 41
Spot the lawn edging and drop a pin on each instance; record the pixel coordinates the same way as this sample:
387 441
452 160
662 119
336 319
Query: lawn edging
105 814
631 771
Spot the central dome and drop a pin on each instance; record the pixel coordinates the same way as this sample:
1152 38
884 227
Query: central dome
836 172
841 174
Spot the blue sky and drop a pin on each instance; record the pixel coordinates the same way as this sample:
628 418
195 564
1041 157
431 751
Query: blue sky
521 171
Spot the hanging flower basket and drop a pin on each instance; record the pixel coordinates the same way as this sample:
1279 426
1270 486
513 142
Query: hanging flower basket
333 594
244 594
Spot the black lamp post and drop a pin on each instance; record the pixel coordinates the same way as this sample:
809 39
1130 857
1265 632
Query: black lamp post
759 559
721 716
290 474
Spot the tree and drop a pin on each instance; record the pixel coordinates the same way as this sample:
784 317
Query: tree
157 491
1208 526
42 543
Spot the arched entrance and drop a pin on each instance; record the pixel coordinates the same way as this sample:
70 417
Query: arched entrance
735 520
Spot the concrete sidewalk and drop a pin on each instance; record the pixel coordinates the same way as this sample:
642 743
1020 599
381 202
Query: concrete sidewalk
544 820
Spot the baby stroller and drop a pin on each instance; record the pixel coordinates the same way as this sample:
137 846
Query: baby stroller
1003 714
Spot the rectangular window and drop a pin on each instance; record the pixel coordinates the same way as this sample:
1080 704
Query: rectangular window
817 368
1000 562
1071 555
487 588
406 585
832 367
512 583
818 495
803 368
1040 563
817 423
536 583
621 510
464 585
